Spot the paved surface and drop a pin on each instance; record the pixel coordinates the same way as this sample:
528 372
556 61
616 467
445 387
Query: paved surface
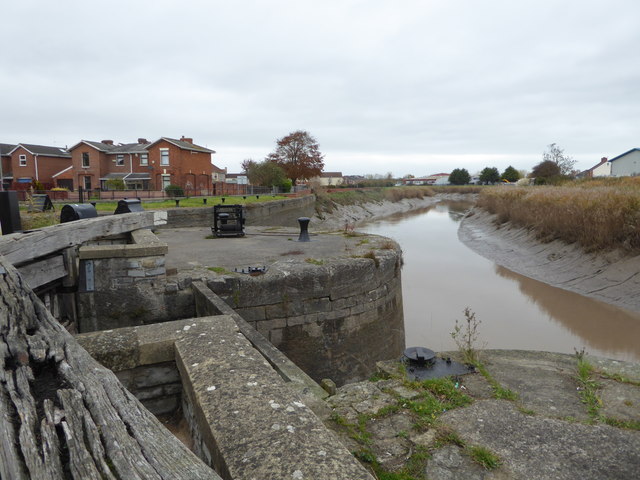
546 434
189 248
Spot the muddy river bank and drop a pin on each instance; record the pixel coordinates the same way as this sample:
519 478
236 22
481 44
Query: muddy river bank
529 296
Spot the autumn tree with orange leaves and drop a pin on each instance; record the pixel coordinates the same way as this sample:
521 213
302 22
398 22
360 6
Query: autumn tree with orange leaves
298 154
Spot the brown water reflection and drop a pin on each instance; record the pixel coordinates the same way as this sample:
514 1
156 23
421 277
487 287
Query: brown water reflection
602 326
441 276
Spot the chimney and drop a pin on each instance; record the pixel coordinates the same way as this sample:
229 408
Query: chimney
143 140
604 160
107 142
185 139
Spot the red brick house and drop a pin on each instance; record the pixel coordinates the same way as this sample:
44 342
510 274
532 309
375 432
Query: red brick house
143 165
31 163
180 162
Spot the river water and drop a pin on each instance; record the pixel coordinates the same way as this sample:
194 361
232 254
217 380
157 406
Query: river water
441 276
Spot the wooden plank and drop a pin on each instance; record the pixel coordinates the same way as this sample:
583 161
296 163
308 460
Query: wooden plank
20 248
44 271
98 430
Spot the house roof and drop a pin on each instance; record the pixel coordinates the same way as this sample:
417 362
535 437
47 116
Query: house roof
43 150
625 153
218 169
331 174
5 148
103 147
130 148
183 145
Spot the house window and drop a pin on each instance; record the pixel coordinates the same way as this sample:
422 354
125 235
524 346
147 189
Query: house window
85 159
166 181
119 160
23 160
87 182
164 156
144 159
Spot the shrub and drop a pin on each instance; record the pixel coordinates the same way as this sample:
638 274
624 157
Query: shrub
174 191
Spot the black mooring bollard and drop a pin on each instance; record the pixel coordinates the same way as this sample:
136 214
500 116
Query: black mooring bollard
177 203
204 200
304 229
222 199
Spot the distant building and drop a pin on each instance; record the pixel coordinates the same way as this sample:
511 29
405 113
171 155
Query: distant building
435 179
602 169
328 179
36 163
353 179
237 178
142 165
219 174
627 164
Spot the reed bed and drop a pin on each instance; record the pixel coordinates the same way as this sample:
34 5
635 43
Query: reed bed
598 215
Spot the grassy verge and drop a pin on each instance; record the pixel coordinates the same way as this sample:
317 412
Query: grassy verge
598 215
32 221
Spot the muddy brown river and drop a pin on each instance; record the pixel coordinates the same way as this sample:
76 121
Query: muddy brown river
441 276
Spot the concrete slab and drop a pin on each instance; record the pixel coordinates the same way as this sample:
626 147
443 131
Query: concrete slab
545 448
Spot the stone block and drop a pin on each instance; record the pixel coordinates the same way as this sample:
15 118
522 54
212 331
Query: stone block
136 273
252 314
315 305
155 375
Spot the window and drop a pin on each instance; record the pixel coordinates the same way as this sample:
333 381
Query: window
23 160
164 156
87 183
166 181
144 159
85 159
119 160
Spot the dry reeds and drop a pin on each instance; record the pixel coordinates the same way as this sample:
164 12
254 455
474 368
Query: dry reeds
598 215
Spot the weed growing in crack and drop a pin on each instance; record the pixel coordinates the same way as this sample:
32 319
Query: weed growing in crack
466 336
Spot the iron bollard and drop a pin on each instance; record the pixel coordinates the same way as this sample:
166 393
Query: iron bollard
304 229
204 200
177 203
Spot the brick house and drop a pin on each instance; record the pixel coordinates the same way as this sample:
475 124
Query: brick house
180 162
143 165
31 163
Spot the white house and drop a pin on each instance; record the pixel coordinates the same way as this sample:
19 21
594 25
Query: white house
602 169
627 164
327 179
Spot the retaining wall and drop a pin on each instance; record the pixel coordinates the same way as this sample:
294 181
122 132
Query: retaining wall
277 212
334 320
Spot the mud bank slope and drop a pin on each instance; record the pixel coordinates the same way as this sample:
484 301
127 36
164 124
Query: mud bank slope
352 215
612 277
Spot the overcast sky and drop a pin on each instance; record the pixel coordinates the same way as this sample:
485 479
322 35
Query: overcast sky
414 87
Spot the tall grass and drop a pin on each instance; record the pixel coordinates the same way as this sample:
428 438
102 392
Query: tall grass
597 214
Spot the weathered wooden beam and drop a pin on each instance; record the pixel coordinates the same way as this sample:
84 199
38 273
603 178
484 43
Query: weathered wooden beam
19 248
43 271
62 414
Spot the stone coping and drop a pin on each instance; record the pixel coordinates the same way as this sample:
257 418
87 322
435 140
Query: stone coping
144 244
248 415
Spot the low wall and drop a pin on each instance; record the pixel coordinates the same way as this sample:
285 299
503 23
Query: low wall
333 320
277 212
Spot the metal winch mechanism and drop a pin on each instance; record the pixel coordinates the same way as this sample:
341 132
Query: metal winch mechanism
423 364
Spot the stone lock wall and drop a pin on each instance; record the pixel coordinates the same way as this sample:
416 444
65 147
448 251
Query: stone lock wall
334 320
124 284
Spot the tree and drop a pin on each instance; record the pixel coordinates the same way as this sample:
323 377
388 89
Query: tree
556 155
546 171
265 173
299 156
459 176
510 174
489 175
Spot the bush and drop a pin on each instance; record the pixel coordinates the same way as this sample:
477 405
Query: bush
174 191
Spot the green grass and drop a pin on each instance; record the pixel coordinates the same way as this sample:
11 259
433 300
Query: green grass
484 457
499 391
219 270
314 261
588 386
